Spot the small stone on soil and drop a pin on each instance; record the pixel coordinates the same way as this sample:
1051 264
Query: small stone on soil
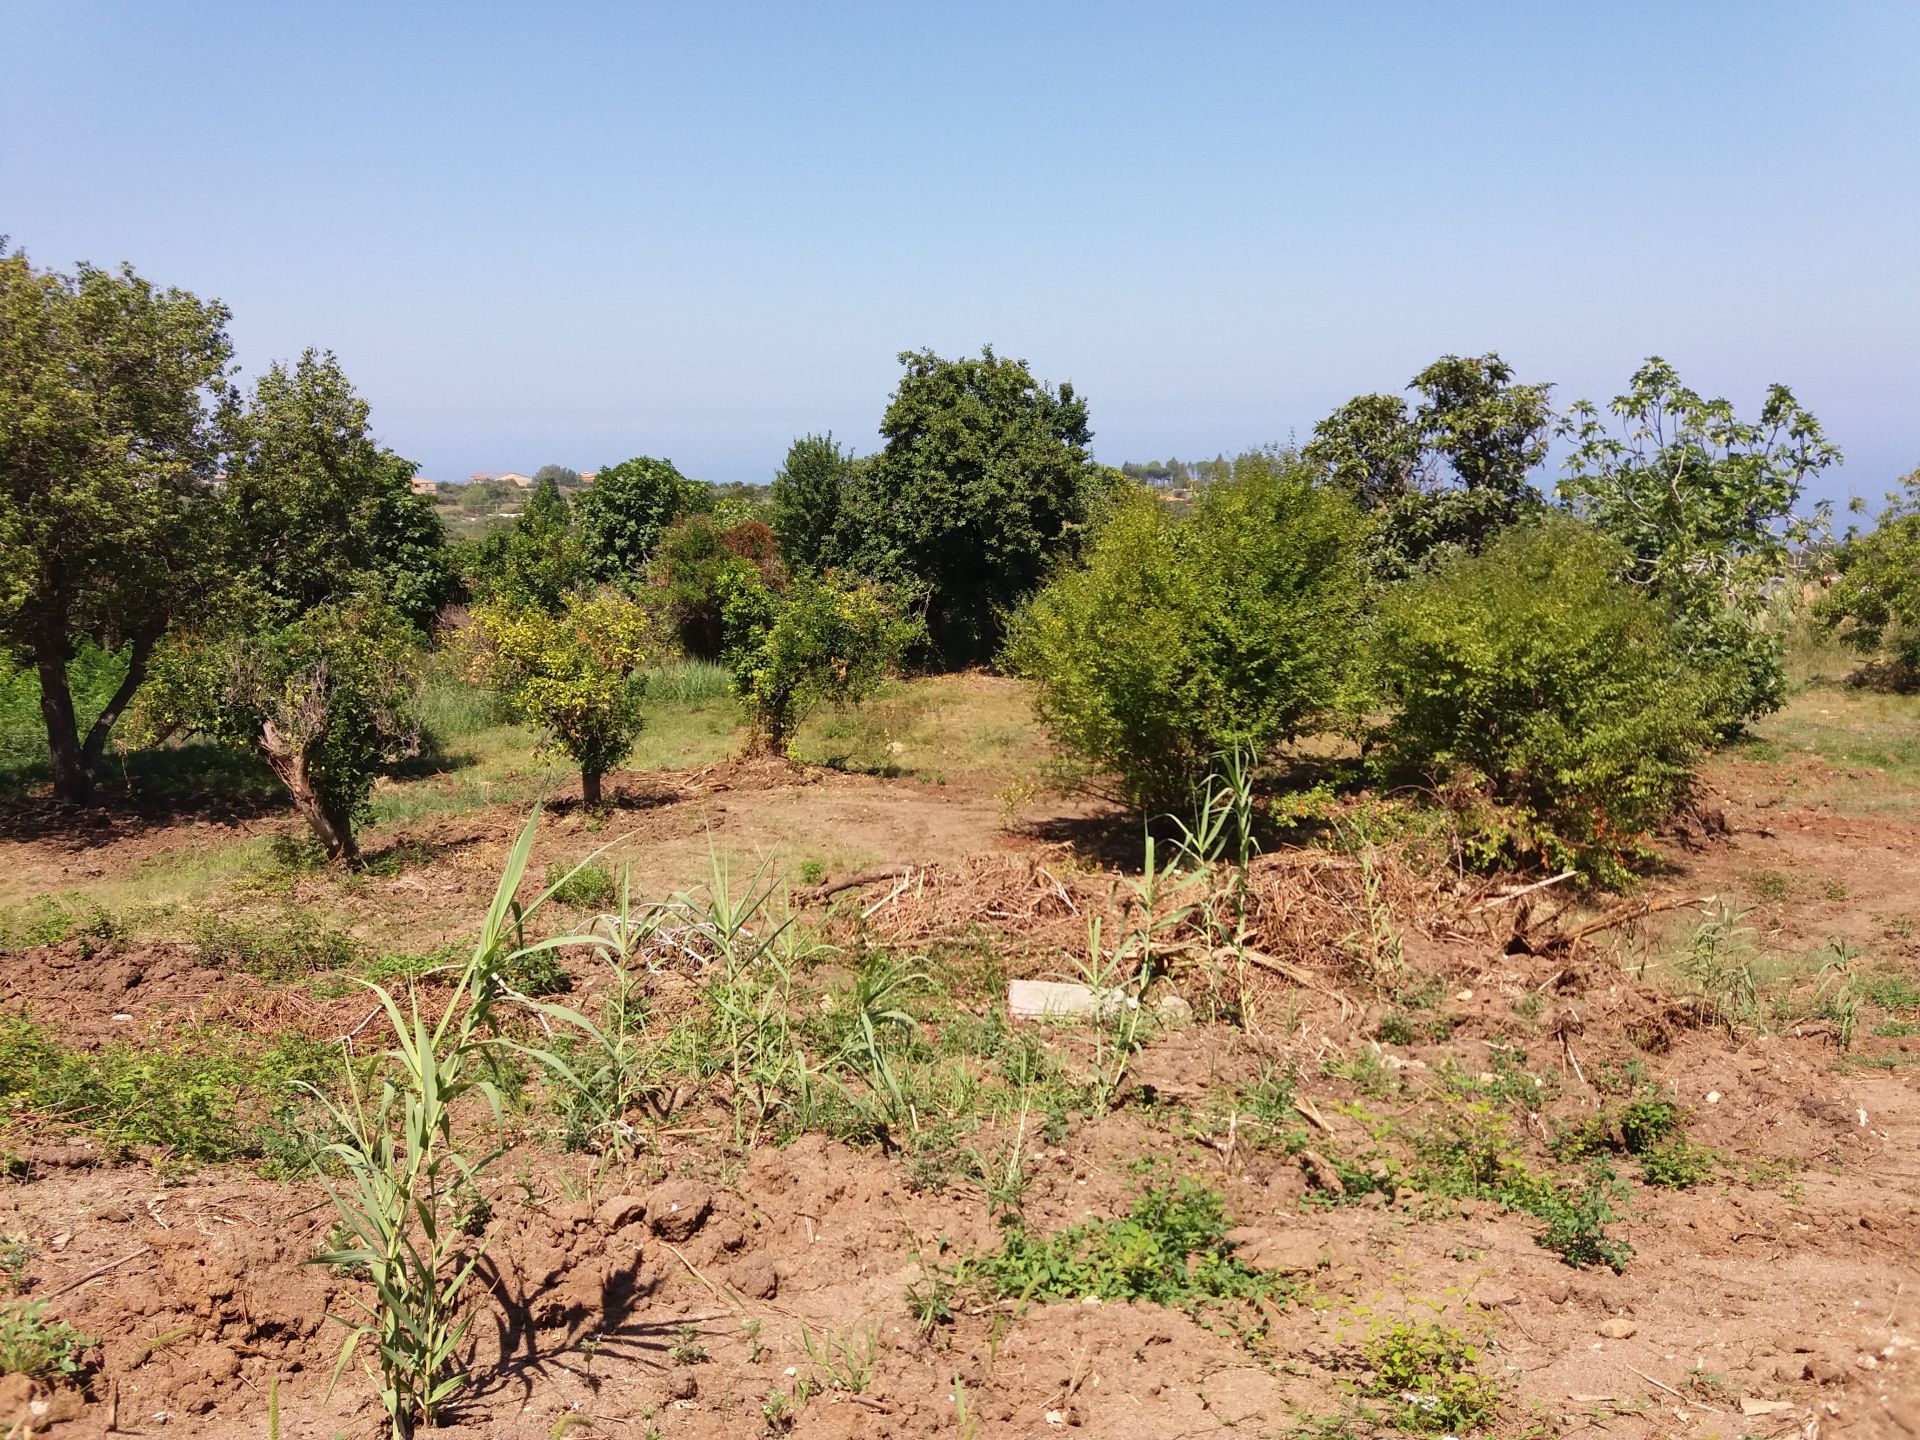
678 1208
1618 1328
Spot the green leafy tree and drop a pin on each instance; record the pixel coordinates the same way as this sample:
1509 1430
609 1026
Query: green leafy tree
113 403
1533 677
807 496
700 565
577 673
1182 638
326 699
1443 477
316 510
536 561
983 485
1874 603
559 475
1705 505
828 640
620 518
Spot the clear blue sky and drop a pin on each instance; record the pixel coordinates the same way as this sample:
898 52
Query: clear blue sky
577 232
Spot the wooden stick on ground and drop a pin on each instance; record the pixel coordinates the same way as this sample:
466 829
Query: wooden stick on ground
865 877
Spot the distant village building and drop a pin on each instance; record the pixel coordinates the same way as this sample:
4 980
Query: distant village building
423 486
511 477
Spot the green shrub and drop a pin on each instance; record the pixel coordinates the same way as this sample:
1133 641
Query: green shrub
576 673
825 640
1179 640
54 919
204 1098
1875 604
277 947
1531 676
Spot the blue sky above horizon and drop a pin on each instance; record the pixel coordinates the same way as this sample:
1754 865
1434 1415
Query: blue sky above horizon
579 232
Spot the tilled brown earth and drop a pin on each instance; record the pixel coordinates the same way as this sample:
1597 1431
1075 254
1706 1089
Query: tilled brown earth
1781 1296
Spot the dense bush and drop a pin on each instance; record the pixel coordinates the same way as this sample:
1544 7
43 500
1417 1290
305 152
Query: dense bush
327 701
1874 606
1179 639
1533 677
619 519
700 564
826 640
985 482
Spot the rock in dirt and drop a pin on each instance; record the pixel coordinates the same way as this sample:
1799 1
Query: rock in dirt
619 1210
1041 999
1321 1172
1557 1291
681 1385
757 1279
678 1208
1618 1328
1492 1292
1285 1253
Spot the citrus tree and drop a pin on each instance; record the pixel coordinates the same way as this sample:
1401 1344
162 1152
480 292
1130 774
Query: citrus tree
575 672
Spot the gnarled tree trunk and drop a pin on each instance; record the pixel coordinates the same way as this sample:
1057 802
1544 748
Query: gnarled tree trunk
288 760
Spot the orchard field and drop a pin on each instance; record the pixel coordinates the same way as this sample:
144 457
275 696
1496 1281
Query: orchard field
1447 1165
965 939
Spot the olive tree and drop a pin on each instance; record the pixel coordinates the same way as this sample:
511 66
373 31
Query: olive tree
575 672
326 699
114 399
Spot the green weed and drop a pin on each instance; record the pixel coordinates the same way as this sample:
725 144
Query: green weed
39 1348
586 886
1170 1249
1429 1376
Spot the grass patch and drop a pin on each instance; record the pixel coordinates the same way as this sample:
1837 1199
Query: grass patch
284 946
207 1097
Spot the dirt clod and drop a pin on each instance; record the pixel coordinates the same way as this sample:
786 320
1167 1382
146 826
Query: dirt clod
619 1210
677 1209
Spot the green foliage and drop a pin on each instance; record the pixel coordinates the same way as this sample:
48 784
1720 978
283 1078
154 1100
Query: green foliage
828 640
205 1098
93 675
1875 604
703 567
985 482
1445 477
1532 671
807 498
533 563
1179 640
586 886
1704 505
283 947
1430 1376
39 1348
619 519
113 404
1170 1249
315 511
578 674
1576 1219
326 700
54 919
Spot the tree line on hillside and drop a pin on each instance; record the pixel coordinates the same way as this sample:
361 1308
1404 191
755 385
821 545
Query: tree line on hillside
1554 664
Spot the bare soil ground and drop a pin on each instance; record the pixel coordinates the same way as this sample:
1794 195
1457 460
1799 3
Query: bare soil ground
673 1294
